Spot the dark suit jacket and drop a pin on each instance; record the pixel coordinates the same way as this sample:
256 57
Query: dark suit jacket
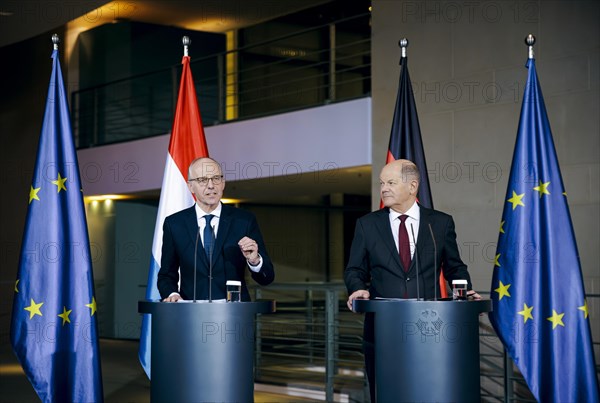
179 239
374 263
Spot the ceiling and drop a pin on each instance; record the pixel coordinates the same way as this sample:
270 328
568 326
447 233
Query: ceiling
302 189
20 20
306 189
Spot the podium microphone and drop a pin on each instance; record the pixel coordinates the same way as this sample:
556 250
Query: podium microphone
416 260
195 260
435 277
210 263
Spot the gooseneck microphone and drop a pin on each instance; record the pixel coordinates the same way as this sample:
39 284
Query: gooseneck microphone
416 260
210 262
195 260
435 277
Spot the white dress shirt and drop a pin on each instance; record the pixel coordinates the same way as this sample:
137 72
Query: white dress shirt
414 216
201 217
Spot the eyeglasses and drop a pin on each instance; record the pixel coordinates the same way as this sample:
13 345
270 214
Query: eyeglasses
203 181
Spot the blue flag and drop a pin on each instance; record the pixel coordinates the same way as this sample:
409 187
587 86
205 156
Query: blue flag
53 328
540 311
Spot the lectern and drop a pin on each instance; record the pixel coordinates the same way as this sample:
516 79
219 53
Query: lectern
426 351
203 352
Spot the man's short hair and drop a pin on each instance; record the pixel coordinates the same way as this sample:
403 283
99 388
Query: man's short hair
410 171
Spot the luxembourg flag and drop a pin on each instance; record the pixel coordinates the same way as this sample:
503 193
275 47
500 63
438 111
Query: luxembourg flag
187 143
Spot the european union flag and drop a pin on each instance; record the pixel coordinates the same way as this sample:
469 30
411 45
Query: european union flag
53 327
540 311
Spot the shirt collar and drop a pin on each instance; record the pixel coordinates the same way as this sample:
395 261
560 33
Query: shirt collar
216 212
413 212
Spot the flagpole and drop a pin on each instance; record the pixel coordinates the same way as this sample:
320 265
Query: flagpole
530 41
403 43
55 41
186 41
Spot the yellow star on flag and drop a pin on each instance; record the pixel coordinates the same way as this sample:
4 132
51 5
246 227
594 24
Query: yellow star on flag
33 194
65 315
502 290
542 188
526 312
34 309
502 227
516 200
497 260
584 308
60 183
17 285
92 306
556 319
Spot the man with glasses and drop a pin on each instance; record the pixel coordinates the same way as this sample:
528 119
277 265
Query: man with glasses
212 237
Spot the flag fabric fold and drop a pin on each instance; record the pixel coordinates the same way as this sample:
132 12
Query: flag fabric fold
539 308
405 137
186 144
54 319
406 143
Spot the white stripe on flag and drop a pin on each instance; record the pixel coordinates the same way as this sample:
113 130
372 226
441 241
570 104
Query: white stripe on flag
175 196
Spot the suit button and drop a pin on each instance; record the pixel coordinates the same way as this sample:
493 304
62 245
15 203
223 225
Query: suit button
407 278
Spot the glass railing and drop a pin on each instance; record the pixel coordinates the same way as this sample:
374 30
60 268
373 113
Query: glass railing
307 68
313 342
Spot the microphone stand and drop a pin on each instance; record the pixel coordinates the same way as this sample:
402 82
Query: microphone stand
435 278
416 260
210 264
195 260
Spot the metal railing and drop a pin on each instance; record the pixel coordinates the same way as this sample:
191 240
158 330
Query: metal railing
307 68
314 342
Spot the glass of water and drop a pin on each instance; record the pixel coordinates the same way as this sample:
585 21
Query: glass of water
234 291
459 290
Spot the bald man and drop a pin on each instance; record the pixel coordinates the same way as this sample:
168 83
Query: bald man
233 242
377 266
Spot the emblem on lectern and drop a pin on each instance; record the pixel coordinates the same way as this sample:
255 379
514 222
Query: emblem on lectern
429 322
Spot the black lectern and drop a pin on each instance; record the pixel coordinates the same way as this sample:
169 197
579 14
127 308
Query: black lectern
426 351
203 352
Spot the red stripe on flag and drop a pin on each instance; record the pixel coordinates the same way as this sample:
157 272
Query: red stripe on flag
390 157
187 136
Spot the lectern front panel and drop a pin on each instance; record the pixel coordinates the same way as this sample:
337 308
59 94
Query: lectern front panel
203 352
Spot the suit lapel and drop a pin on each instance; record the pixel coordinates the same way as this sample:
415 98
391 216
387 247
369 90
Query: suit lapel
191 226
385 231
224 226
424 235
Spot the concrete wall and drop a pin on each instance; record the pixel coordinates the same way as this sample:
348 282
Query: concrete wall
466 61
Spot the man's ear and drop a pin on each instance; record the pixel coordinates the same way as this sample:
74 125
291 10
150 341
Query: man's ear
414 186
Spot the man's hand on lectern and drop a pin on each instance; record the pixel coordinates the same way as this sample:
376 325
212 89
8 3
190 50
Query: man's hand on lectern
360 294
173 298
473 294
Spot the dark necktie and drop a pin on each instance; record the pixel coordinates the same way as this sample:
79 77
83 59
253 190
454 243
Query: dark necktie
404 243
208 235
